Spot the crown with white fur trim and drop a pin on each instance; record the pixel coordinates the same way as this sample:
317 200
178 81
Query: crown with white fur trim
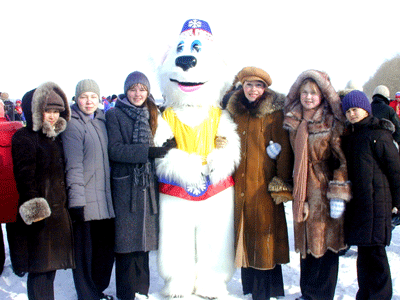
194 27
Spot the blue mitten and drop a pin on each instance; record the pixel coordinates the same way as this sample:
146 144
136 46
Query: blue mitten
337 208
273 149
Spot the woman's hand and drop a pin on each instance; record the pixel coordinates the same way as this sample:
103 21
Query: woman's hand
220 142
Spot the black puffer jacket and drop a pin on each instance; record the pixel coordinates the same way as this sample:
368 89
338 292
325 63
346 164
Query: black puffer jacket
374 170
382 110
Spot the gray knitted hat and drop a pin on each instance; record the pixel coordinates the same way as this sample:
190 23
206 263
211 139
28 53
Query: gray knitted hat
136 77
382 90
86 85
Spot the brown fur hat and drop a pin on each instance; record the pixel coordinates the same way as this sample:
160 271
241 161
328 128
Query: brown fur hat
331 97
34 210
46 92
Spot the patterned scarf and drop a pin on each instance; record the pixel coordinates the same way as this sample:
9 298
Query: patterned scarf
140 115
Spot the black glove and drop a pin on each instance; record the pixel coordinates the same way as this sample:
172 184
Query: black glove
171 143
158 152
19 273
77 214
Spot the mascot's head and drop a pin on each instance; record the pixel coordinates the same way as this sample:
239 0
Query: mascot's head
193 73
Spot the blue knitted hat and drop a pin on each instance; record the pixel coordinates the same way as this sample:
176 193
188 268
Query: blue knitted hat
136 77
356 99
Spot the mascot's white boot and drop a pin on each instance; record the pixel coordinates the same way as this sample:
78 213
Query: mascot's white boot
196 250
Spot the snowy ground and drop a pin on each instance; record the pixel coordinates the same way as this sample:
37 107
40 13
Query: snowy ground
13 287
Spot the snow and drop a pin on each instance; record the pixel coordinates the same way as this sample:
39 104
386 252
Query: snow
14 287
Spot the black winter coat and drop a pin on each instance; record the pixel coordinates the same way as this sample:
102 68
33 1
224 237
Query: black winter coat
382 110
38 159
134 185
374 171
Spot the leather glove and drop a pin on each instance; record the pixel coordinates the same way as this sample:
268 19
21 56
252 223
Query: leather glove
280 191
171 143
281 197
337 208
158 152
77 214
220 142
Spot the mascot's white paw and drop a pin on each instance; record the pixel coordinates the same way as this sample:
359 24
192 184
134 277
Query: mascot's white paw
181 167
222 162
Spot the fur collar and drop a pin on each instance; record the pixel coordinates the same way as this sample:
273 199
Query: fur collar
372 123
269 103
52 132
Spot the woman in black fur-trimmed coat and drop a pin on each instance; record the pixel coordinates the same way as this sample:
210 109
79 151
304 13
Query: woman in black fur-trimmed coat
41 239
374 170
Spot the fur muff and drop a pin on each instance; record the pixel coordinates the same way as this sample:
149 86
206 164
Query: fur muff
34 210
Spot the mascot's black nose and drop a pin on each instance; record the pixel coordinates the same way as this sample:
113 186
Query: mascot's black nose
186 62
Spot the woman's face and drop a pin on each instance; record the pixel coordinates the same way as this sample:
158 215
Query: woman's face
310 96
253 90
137 94
88 102
356 114
51 116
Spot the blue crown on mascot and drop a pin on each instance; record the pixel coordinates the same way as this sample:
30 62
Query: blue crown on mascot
195 27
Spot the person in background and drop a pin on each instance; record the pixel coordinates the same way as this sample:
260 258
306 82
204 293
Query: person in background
261 238
382 110
90 204
395 104
315 122
374 171
9 107
131 126
41 240
18 115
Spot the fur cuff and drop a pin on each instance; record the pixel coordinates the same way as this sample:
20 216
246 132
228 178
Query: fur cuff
339 190
278 185
34 210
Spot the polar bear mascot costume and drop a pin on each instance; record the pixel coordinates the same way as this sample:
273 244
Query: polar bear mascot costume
196 250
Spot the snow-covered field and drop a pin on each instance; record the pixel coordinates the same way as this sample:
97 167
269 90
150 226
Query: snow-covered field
13 287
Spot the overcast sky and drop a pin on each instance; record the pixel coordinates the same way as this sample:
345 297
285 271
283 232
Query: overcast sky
66 41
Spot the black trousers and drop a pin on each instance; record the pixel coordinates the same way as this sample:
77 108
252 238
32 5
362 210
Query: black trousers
262 284
318 276
2 251
94 257
373 273
40 286
132 274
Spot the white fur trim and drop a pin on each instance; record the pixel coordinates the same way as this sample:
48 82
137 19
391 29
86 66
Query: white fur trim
163 132
222 162
181 167
206 269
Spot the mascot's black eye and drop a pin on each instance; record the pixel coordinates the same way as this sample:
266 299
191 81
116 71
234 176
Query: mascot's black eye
179 49
196 46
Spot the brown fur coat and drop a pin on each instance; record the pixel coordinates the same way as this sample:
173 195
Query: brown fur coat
327 170
261 239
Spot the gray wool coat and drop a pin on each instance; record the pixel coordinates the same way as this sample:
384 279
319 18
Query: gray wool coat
87 167
135 201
